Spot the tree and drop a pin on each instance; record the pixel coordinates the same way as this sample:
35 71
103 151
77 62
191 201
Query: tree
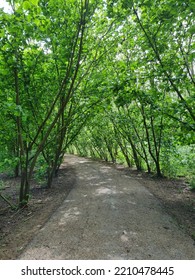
120 73
44 59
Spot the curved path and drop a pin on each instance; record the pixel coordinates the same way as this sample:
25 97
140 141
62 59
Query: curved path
109 215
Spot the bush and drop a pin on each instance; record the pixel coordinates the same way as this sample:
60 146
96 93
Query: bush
192 183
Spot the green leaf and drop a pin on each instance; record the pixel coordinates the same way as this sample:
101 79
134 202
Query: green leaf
35 2
26 5
37 22
2 33
192 30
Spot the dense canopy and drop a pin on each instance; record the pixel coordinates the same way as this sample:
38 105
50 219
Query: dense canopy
102 78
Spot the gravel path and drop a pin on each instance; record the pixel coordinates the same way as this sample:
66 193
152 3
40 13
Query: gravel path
109 215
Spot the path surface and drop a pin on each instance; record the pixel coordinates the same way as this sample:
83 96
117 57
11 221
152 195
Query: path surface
109 215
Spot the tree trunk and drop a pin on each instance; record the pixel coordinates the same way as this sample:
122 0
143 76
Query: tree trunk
135 155
24 189
158 169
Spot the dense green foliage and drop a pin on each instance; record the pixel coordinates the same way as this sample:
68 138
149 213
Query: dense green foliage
107 79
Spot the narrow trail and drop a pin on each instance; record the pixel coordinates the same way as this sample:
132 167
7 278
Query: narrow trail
109 215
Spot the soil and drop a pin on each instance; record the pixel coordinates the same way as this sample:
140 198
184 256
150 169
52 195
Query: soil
175 195
18 228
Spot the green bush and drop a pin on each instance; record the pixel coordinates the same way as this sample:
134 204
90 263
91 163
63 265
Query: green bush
192 183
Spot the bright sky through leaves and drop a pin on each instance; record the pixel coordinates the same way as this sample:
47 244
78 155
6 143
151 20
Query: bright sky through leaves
5 6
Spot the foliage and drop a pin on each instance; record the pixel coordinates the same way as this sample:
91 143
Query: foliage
192 184
107 79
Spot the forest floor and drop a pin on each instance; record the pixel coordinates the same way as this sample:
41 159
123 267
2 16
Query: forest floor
115 192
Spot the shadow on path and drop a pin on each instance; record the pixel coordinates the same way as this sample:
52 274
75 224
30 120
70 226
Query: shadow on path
108 215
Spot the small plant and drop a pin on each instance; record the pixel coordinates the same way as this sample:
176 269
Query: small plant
192 183
1 185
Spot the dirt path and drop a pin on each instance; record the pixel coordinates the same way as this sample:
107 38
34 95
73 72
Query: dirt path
109 215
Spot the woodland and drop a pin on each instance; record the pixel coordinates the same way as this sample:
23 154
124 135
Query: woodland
105 79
